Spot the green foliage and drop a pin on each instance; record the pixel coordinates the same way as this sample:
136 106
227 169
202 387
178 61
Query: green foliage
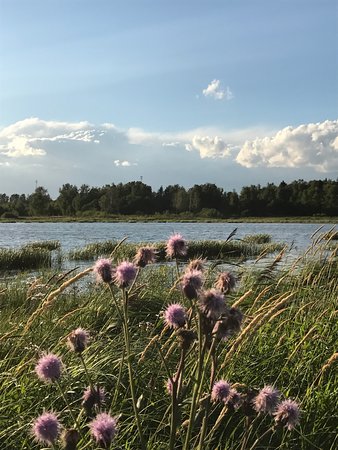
24 258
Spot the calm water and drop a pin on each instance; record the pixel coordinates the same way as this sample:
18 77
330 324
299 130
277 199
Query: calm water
74 235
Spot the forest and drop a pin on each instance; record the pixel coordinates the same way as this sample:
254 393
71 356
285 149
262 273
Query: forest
298 198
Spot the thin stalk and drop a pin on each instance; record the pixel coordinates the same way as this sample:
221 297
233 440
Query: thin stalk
86 372
175 400
68 406
130 370
261 437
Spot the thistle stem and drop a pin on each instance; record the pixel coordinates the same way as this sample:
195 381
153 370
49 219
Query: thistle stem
68 406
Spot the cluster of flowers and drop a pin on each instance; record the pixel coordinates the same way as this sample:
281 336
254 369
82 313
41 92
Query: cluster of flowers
47 428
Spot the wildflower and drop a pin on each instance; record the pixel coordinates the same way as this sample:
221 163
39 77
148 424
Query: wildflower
48 368
46 428
212 304
266 400
287 414
230 324
176 246
234 398
186 338
175 316
191 283
196 264
103 429
225 282
104 270
93 396
220 391
144 256
70 438
125 274
77 340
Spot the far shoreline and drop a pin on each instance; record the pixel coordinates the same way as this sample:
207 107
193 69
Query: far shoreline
170 218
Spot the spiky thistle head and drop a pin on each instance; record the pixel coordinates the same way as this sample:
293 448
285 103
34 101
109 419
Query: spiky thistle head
103 429
93 396
196 264
49 368
175 315
176 246
191 283
220 391
212 304
78 340
266 400
144 256
225 282
46 428
125 274
287 414
104 270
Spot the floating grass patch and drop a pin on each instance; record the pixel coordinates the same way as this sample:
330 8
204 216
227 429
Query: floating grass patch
47 245
24 258
262 238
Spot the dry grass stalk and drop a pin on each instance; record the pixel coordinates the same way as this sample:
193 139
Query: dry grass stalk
329 362
241 299
255 324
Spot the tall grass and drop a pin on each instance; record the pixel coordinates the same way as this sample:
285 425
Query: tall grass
287 340
24 258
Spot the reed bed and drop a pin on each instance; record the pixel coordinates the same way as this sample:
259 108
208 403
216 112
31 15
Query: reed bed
48 245
24 258
287 340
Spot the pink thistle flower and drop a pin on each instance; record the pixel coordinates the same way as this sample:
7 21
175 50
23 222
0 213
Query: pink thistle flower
266 400
212 304
175 315
196 264
78 340
103 429
234 399
46 428
229 324
220 391
144 256
287 414
125 274
93 396
104 270
225 282
176 246
191 283
48 368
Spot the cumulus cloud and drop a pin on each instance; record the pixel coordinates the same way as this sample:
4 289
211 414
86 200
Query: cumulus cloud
216 91
119 163
310 145
209 147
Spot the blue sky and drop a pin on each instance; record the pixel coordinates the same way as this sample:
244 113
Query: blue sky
231 92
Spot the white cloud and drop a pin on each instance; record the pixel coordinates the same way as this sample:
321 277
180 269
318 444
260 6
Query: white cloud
119 163
209 147
215 91
171 144
310 145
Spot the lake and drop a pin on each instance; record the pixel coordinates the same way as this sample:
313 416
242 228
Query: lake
75 235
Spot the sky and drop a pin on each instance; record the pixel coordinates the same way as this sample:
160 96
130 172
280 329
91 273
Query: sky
231 92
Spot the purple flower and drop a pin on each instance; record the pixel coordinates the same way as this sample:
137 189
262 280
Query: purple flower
46 428
234 398
191 283
196 264
220 391
287 414
225 282
144 256
125 274
229 324
77 340
93 396
266 400
48 368
212 304
103 429
176 246
175 316
104 270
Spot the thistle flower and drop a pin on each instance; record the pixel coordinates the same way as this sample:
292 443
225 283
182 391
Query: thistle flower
103 429
70 439
230 324
234 398
212 304
196 264
144 256
175 316
287 414
48 368
46 428
93 396
225 282
125 274
266 400
176 246
104 270
220 391
186 338
77 340
191 283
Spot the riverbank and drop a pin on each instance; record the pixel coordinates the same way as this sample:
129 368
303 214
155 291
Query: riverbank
171 218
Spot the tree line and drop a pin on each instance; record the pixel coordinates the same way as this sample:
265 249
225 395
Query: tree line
297 198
